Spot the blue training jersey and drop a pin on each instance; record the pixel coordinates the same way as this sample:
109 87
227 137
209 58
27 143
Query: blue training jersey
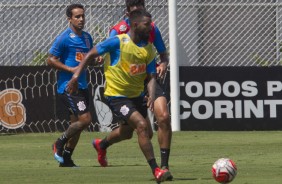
158 41
71 49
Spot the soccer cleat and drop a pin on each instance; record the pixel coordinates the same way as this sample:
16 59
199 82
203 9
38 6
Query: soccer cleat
169 177
68 163
161 175
57 151
102 159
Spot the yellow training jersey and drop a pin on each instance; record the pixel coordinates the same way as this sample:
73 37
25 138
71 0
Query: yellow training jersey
125 76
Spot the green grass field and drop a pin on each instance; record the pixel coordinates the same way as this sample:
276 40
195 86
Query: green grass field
27 158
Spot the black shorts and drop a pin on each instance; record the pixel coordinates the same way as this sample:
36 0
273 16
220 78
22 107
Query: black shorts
77 103
123 107
159 89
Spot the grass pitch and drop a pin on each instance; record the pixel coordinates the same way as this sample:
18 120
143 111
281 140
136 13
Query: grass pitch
27 158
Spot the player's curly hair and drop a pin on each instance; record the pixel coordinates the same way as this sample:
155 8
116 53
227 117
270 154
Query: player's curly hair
130 3
71 7
135 14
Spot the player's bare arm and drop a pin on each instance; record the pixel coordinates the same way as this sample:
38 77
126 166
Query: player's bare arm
54 62
151 91
161 69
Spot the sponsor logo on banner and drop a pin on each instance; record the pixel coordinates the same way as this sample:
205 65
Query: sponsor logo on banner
12 111
231 100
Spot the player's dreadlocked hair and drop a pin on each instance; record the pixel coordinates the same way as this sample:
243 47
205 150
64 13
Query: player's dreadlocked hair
71 7
130 3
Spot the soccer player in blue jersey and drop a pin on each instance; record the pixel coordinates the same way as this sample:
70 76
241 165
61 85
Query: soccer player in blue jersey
65 55
129 59
160 106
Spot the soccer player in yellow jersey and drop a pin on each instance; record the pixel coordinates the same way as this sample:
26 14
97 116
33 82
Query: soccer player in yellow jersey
161 111
130 58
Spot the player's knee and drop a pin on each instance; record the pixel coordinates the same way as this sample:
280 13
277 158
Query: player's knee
142 126
85 119
164 123
163 118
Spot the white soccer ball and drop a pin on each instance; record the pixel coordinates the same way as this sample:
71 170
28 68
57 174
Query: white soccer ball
224 170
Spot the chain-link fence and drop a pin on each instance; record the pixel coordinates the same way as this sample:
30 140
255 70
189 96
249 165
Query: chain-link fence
229 32
211 32
30 26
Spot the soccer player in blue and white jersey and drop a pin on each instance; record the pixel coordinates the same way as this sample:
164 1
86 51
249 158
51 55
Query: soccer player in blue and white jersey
66 53
129 60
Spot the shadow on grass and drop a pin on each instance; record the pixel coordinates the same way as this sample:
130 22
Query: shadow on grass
7 134
188 179
127 165
180 179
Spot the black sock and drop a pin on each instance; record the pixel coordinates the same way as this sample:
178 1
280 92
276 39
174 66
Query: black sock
153 164
60 143
164 156
104 144
68 153
63 139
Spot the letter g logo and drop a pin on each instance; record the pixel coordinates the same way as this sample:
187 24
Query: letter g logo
12 111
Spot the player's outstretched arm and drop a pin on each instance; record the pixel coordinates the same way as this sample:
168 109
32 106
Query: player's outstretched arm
90 56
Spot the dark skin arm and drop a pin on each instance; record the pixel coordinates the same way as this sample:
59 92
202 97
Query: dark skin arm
161 69
90 56
151 87
54 62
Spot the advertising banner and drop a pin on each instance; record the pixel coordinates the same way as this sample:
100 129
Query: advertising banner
27 98
231 98
211 98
